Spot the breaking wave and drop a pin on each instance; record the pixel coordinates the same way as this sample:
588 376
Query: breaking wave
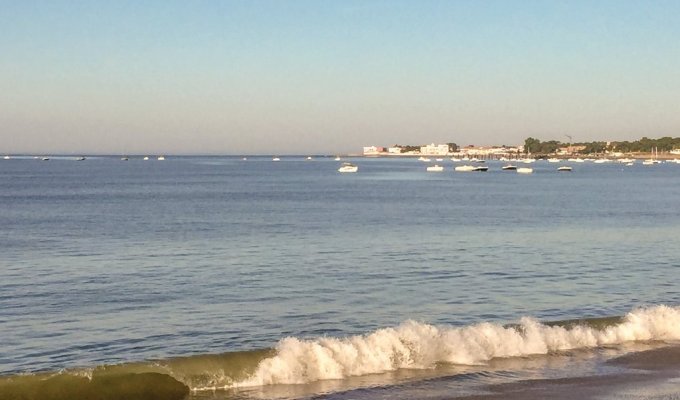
411 345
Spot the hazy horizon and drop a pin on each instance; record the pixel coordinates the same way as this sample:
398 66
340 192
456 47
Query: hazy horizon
310 77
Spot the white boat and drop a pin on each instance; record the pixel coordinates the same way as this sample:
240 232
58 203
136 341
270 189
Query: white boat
602 160
439 159
309 158
80 158
45 158
529 160
348 167
481 168
161 158
525 170
124 158
276 159
509 167
424 159
454 159
146 158
629 164
564 168
337 158
7 157
245 158
435 168
464 168
553 160
626 160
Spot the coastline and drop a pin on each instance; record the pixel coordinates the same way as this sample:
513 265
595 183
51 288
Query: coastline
647 374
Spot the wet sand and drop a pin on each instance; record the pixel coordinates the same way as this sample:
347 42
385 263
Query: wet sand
651 374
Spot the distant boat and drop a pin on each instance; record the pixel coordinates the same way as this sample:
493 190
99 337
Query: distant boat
454 159
276 159
245 158
564 168
525 170
45 158
509 167
124 158
481 168
424 159
146 158
464 168
161 158
439 159
7 157
553 160
348 167
337 158
435 168
80 159
309 158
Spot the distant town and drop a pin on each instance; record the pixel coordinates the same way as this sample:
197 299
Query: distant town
664 148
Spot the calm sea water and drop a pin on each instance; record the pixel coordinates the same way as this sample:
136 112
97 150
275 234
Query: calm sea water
105 261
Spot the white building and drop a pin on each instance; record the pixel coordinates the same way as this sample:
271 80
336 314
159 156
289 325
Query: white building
434 150
373 150
394 150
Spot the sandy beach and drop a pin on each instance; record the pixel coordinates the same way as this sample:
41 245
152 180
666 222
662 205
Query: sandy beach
651 374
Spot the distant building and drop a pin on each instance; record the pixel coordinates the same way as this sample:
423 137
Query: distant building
394 150
675 151
373 150
434 150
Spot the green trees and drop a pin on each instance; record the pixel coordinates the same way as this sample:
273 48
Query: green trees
645 144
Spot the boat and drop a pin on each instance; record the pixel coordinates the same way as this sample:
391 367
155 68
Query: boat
454 159
564 168
276 159
7 157
337 158
439 159
45 158
525 170
435 168
309 158
424 159
481 168
161 158
80 158
509 167
464 168
553 160
146 158
245 158
348 167
124 158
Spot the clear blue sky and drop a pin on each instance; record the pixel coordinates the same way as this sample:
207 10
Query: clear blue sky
304 77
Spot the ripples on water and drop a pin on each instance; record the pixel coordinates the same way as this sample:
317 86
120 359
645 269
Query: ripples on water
105 261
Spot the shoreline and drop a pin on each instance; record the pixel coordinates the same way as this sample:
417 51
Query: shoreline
647 374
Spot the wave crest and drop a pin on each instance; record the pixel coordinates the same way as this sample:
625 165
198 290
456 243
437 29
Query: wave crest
417 345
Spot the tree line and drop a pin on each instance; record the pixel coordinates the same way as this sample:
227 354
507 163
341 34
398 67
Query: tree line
664 144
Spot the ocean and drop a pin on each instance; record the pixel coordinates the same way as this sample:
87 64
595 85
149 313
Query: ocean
224 278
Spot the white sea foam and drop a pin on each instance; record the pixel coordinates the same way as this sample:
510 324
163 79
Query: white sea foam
417 345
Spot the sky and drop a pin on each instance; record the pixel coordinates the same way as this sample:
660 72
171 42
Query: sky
329 77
